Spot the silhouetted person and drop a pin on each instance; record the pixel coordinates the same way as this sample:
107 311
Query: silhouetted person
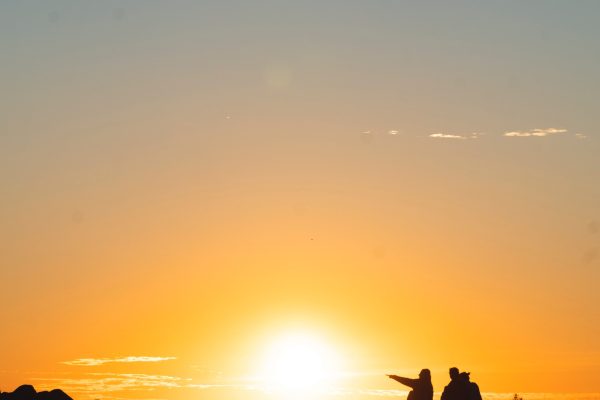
422 389
472 389
456 389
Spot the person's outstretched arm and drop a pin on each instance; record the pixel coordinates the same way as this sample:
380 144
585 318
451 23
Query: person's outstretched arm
405 381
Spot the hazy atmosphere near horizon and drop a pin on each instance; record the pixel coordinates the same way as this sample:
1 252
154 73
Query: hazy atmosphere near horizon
291 199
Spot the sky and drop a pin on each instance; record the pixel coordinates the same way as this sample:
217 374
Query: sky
410 184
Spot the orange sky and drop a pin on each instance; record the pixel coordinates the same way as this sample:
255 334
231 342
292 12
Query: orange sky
191 181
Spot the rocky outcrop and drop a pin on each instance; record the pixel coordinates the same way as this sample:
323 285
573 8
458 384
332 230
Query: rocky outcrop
28 392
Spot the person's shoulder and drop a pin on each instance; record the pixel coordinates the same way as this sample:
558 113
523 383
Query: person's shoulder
474 387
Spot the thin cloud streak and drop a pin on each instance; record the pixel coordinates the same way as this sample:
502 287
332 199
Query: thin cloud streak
368 392
446 136
90 362
112 382
98 383
474 135
535 132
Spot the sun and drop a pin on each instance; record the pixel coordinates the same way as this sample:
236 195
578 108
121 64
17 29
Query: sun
297 363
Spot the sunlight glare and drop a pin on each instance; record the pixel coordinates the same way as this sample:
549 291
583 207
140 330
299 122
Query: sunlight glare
299 363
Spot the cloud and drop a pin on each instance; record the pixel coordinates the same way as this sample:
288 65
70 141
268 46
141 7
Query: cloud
101 385
222 385
446 136
474 135
369 393
535 132
90 362
369 134
112 382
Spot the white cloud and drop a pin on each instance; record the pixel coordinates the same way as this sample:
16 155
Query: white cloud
474 135
90 362
393 132
580 136
446 136
535 132
551 130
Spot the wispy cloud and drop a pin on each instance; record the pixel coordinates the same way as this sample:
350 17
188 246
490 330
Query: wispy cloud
363 393
105 383
535 132
90 362
222 385
446 136
112 382
474 135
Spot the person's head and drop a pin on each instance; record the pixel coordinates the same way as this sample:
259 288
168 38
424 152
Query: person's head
453 373
425 374
464 376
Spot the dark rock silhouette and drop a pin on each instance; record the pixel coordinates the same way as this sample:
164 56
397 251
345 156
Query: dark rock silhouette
28 392
55 394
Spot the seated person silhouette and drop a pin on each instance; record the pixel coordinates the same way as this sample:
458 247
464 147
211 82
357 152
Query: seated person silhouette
422 389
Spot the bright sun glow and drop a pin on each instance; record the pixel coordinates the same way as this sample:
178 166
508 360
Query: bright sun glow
299 363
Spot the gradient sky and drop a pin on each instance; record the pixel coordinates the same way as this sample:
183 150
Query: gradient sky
415 182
